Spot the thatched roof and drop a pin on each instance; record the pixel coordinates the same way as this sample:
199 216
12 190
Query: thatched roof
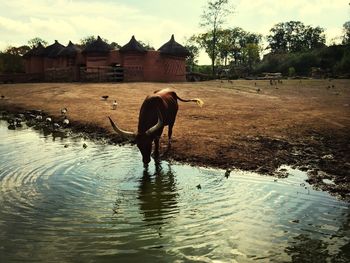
70 50
173 48
133 46
97 46
53 50
37 51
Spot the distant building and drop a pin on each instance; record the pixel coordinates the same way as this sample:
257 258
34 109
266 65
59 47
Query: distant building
99 62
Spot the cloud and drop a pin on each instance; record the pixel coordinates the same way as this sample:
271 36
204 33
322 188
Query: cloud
73 20
152 21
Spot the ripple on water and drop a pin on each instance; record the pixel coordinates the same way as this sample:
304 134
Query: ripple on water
98 203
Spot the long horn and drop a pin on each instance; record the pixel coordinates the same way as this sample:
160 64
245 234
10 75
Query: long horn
157 126
120 131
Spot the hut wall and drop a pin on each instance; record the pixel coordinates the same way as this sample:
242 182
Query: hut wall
153 70
80 59
133 64
36 65
48 63
96 60
114 57
27 65
174 68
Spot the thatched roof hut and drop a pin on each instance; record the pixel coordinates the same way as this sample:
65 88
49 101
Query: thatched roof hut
70 50
173 48
53 50
37 51
97 46
133 46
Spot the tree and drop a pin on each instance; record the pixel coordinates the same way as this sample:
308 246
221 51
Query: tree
18 51
346 31
147 46
114 45
250 55
88 39
35 41
213 17
294 36
192 46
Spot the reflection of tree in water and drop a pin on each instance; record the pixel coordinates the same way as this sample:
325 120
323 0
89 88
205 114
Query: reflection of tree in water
305 248
158 194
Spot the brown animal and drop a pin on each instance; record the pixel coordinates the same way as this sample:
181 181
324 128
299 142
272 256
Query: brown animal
157 111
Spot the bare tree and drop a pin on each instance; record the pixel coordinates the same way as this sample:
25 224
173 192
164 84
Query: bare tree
213 17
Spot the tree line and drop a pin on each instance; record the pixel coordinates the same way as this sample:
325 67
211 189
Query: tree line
292 47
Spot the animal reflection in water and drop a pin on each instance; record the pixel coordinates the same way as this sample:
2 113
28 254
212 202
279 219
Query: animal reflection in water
158 194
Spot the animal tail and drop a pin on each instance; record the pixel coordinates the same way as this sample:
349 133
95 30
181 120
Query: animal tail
199 102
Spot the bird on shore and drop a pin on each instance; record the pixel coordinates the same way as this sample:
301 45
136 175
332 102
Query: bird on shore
12 126
39 117
114 105
56 126
65 121
48 119
64 111
258 90
105 97
2 97
18 122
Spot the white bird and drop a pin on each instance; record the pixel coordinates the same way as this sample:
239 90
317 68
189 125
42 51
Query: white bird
64 111
114 105
48 119
39 117
65 121
56 126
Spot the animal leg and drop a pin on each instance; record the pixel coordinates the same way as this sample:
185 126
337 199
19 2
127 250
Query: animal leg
170 132
156 147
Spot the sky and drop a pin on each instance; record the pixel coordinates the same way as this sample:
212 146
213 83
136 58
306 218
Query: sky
154 21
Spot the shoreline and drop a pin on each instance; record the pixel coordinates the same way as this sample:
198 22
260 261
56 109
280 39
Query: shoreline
320 150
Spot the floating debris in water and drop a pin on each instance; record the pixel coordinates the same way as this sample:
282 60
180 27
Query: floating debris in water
295 221
66 146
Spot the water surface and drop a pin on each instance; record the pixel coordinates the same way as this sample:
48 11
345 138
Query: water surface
60 202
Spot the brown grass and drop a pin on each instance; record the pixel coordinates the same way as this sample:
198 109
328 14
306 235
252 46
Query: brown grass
237 126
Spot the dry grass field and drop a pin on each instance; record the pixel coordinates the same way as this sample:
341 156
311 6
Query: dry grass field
243 124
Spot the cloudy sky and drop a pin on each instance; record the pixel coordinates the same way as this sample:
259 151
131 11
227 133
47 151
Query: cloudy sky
153 21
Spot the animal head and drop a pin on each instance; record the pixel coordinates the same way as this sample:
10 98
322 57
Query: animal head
142 140
144 143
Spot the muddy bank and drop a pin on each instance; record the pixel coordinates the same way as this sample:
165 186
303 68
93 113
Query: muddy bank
300 123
